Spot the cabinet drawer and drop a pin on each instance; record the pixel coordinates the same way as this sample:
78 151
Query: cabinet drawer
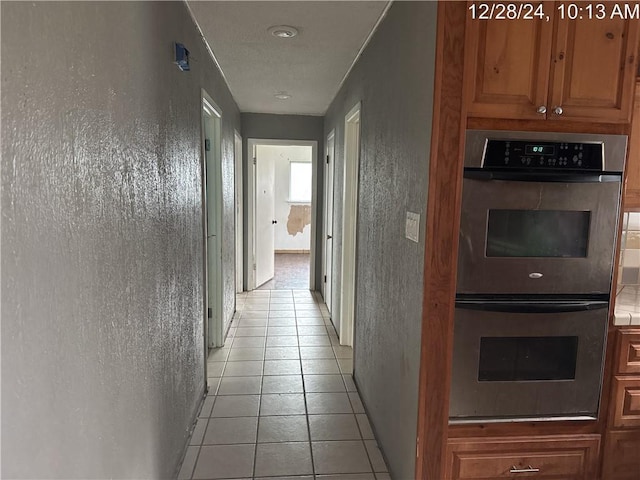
621 456
552 457
626 408
629 351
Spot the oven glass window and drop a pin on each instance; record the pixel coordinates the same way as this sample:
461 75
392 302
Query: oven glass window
512 359
537 233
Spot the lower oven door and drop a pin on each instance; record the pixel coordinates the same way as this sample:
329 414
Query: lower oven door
527 360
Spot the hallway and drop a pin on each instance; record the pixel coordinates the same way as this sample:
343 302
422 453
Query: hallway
282 402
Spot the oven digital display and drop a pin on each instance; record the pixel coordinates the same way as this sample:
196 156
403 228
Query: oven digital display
538 233
540 149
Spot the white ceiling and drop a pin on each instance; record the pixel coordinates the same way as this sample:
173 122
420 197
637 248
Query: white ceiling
309 67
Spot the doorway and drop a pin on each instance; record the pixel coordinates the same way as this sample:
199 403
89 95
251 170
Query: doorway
212 225
349 224
282 214
327 244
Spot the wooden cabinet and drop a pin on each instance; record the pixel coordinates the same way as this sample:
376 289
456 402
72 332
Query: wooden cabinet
554 457
579 70
629 352
632 189
621 457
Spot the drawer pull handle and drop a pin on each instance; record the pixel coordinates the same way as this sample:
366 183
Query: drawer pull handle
529 469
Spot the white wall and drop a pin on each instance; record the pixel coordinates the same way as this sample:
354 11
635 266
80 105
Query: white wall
102 237
282 156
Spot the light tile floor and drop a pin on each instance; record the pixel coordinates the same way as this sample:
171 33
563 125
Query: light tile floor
282 404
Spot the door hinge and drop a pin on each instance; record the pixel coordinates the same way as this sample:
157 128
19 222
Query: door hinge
325 279
254 266
209 312
328 159
207 145
254 160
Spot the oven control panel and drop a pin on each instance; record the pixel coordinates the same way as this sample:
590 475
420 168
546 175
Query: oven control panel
518 154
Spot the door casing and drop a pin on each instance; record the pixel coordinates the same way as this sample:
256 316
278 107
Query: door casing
327 233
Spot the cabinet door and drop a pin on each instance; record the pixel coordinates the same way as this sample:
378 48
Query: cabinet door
566 457
629 351
625 411
622 456
594 66
632 189
507 66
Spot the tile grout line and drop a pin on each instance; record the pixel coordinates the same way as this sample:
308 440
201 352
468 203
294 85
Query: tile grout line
264 355
304 394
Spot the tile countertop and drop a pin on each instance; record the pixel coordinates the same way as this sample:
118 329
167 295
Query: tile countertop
627 305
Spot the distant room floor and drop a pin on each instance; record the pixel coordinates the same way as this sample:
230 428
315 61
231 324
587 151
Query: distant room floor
291 272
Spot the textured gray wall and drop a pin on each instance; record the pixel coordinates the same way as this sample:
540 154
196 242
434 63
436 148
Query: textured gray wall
102 336
287 127
394 81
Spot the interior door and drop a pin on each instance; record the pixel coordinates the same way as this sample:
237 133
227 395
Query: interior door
239 220
264 218
328 222
213 192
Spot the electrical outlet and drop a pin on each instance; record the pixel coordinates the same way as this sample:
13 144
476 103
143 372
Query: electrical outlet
412 227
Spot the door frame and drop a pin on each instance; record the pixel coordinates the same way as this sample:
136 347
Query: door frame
239 205
252 144
349 224
328 269
213 327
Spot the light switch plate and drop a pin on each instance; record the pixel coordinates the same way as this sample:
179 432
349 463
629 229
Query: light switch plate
412 227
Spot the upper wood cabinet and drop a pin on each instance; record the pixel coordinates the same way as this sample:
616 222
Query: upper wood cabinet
579 70
632 188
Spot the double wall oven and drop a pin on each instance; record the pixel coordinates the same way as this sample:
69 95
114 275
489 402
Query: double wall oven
537 243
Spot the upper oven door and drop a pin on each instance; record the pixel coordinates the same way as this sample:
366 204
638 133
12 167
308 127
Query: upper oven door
537 237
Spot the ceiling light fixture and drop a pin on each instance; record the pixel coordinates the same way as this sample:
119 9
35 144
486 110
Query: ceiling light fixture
283 31
282 95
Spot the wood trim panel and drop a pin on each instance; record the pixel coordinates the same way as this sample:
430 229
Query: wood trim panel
548 126
441 249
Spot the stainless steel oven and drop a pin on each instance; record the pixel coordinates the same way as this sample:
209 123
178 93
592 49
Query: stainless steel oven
539 222
537 242
527 359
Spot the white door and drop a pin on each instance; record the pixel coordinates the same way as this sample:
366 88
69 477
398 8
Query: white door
328 221
264 218
349 223
213 210
239 218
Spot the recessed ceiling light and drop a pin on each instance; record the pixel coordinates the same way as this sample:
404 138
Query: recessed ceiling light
282 95
283 31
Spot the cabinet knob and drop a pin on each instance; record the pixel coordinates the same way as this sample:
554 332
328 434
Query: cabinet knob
542 110
558 110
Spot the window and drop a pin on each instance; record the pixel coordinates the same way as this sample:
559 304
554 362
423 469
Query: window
300 182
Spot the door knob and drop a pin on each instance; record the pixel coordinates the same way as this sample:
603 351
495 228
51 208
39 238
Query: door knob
542 109
558 110
273 222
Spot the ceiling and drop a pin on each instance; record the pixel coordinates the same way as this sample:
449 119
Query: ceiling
310 66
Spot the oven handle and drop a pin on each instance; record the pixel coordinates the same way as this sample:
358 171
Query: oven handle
531 307
480 174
